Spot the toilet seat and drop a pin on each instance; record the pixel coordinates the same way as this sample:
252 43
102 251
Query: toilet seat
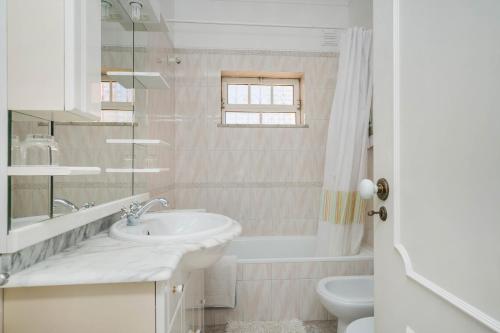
363 325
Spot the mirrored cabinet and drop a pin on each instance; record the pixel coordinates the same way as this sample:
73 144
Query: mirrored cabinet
84 117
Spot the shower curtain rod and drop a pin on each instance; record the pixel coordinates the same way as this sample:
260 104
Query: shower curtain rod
250 24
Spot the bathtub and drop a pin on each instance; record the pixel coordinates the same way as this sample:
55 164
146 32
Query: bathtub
277 277
292 249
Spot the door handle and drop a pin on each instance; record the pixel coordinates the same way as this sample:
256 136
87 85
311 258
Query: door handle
382 213
367 189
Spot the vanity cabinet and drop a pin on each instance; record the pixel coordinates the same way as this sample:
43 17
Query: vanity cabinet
180 303
173 306
54 58
193 307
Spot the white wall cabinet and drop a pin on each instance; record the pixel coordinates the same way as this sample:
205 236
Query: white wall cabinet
173 306
54 58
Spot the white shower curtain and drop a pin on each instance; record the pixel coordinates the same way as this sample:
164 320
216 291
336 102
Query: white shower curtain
342 214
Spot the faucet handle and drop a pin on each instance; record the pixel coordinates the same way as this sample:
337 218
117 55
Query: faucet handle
132 210
130 214
88 205
123 212
135 206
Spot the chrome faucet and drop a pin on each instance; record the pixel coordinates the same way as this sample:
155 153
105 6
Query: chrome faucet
136 210
66 203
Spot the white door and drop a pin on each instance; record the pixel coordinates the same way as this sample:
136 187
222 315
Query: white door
437 141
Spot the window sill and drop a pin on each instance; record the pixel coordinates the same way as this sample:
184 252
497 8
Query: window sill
262 126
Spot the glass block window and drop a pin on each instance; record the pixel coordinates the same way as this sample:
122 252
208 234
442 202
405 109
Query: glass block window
261 101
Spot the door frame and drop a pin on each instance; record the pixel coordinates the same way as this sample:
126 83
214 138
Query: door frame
4 128
410 272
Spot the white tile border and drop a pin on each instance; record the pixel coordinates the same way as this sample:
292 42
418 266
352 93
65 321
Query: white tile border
256 52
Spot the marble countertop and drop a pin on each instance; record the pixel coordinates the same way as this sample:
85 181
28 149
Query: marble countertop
102 259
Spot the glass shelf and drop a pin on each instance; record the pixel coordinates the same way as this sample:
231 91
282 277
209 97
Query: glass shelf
51 170
133 170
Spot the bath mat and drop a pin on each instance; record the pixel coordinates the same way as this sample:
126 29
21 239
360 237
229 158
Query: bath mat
289 326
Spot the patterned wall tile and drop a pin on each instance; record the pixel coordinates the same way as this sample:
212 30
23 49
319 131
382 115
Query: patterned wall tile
255 298
256 272
286 298
191 134
191 166
190 101
228 166
310 270
284 271
249 156
257 227
292 290
262 203
192 71
350 268
232 202
191 198
310 305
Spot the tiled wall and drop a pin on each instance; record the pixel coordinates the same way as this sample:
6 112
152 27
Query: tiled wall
278 291
268 179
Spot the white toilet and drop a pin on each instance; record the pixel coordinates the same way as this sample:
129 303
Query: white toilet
363 325
347 297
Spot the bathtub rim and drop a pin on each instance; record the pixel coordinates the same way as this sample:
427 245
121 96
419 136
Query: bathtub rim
366 253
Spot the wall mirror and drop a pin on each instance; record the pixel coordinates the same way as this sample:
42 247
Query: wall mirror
99 155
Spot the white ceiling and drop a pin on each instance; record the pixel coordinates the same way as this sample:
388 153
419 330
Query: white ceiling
304 13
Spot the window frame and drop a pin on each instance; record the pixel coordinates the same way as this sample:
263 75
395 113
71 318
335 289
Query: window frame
295 108
113 105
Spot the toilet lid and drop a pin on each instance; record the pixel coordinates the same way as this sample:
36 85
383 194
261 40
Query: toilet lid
363 325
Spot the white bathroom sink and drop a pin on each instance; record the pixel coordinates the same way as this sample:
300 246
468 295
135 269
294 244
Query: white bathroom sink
189 228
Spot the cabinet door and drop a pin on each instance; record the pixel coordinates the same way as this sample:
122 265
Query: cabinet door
189 306
194 303
98 308
35 54
178 320
83 56
176 288
200 296
54 62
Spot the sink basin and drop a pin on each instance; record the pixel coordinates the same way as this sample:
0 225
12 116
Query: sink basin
172 227
182 227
